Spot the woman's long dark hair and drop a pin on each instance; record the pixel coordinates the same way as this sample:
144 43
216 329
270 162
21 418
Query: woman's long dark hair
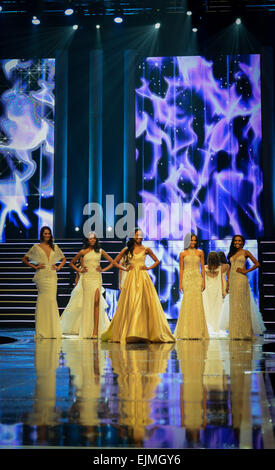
130 247
232 249
222 257
50 242
213 260
197 240
86 243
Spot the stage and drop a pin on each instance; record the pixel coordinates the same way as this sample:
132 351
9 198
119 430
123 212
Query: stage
70 393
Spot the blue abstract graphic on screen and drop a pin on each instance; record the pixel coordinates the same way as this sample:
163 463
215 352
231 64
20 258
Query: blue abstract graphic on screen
198 141
198 147
26 146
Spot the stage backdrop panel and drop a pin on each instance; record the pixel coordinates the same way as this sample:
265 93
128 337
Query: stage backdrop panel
198 143
198 153
26 146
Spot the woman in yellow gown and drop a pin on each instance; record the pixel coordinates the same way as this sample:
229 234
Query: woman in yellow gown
139 316
191 322
245 320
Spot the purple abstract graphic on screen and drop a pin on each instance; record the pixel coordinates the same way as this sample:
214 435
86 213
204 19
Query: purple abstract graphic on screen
26 146
198 142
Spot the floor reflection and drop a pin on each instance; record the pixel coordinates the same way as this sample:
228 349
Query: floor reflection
138 369
46 361
206 394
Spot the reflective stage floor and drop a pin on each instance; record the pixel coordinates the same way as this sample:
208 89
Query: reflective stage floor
217 394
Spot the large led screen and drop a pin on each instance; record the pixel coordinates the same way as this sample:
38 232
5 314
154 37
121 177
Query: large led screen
198 154
26 146
198 144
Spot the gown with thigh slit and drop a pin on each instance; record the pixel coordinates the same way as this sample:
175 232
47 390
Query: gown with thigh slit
91 282
245 319
47 320
139 316
191 322
71 316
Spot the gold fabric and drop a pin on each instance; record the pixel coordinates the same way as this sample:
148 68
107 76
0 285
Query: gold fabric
240 324
139 315
191 322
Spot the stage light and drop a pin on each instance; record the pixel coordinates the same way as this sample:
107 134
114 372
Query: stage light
1 8
75 26
98 26
109 229
238 21
77 229
35 20
189 13
68 12
194 30
157 25
118 19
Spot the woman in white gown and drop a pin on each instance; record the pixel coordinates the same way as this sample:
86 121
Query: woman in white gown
93 319
224 317
43 258
213 293
70 318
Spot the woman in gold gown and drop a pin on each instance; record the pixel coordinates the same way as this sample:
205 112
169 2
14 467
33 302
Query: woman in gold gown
191 322
139 316
243 322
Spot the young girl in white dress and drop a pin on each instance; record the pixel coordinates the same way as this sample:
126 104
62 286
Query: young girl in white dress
93 320
213 293
43 257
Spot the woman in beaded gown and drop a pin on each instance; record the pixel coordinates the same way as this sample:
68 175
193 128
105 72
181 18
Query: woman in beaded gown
93 319
244 321
139 316
43 258
191 322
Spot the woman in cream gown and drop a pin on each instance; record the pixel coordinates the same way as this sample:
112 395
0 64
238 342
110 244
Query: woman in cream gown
213 293
191 322
139 316
93 319
45 256
243 322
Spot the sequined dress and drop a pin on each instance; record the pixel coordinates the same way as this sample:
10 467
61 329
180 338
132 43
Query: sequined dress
244 319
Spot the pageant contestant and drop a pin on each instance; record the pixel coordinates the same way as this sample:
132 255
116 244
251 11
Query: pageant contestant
93 319
224 318
139 316
213 293
244 318
43 257
71 316
191 322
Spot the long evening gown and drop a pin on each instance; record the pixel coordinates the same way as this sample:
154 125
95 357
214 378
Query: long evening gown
47 320
213 299
71 316
191 322
91 282
244 318
139 315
